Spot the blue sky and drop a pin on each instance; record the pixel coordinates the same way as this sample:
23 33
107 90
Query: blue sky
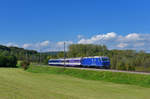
32 22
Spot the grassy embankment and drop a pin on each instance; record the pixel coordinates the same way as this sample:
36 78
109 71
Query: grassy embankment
115 77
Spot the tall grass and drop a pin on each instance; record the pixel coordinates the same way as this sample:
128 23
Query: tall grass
115 77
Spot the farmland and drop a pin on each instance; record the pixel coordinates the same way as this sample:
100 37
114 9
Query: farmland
19 84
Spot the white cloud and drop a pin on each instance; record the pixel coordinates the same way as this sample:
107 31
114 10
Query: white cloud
139 44
133 36
27 46
11 44
134 41
44 43
37 46
47 45
122 45
98 38
110 35
80 36
129 37
41 45
61 43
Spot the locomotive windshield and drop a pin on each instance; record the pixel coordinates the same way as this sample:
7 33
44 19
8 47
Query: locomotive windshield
105 59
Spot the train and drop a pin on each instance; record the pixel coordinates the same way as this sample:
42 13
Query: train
96 61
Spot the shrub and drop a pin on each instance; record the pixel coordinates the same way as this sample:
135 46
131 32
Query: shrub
121 66
12 61
46 61
25 64
131 68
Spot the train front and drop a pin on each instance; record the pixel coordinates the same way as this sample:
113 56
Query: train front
106 62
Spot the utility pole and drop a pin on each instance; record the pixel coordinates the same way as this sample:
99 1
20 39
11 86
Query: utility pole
40 56
102 45
27 56
64 55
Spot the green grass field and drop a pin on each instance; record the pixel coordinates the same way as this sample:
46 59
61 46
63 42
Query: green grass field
19 84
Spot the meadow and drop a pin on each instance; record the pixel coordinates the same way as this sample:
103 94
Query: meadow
40 83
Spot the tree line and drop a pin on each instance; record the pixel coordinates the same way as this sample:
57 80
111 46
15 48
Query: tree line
8 61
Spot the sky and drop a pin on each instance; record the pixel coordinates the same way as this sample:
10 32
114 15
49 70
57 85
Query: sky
46 24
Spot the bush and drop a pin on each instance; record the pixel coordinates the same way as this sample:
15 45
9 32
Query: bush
130 66
8 61
25 64
12 61
121 66
46 61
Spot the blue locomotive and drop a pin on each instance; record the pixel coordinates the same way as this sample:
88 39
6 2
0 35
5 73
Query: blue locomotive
96 61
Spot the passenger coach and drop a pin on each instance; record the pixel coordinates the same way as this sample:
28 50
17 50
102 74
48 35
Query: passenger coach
97 61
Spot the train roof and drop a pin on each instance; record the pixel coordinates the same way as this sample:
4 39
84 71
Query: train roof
67 59
96 57
73 58
79 58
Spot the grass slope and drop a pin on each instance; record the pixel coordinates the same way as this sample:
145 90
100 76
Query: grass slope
115 77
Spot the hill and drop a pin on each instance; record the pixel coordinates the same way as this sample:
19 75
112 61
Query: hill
4 49
20 53
51 52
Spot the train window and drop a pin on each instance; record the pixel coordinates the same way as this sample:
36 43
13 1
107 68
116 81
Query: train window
54 61
67 61
99 60
77 61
